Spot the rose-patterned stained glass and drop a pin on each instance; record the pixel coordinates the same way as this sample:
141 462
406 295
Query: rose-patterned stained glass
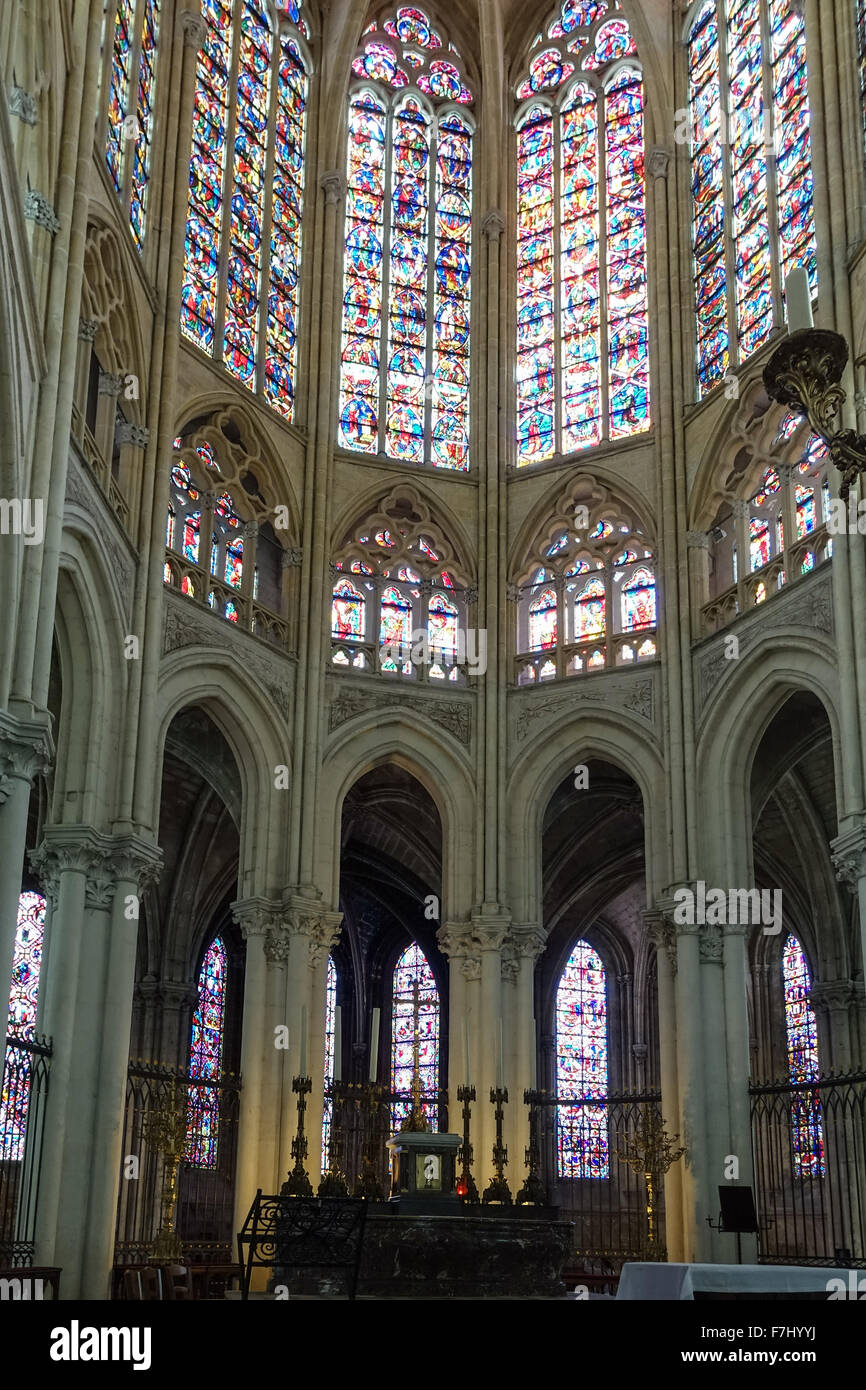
581 1066
582 326
639 601
613 41
412 969
330 1038
205 1058
756 49
347 613
576 14
246 199
129 131
589 611
801 1035
404 370
21 1021
542 621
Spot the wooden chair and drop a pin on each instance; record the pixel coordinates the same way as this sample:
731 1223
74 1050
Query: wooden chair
142 1285
178 1283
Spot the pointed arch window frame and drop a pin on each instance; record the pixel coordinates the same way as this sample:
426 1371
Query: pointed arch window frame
389 101
731 358
283 31
203 1107
556 103
135 179
400 1097
588 1127
806 1120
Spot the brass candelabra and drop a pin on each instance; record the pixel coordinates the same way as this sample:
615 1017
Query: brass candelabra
805 374
298 1182
466 1187
650 1151
166 1128
533 1192
498 1190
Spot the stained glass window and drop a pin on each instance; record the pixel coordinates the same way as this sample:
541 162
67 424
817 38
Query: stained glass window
589 610
347 613
758 154
542 621
639 601
395 629
582 338
131 91
404 367
243 237
861 47
330 1054
801 1031
412 969
581 1066
21 1021
205 1061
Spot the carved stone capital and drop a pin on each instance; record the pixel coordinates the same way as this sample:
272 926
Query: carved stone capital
24 105
470 967
323 938
529 940
87 329
848 852
106 861
333 186
660 930
740 510
278 943
193 27
711 945
493 224
132 859
293 557
833 996
138 436
697 540
110 383
254 916
509 964
454 938
470 594
512 593
38 209
250 530
26 751
659 161
490 930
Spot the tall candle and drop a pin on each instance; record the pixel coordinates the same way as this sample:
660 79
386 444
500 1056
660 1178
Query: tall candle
467 1073
374 1045
798 297
499 1073
534 1065
303 1040
337 1068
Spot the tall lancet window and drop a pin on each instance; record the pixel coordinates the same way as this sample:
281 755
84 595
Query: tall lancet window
404 365
582 332
581 1066
413 980
330 1055
131 95
861 49
246 195
801 1034
753 215
205 1060
21 1023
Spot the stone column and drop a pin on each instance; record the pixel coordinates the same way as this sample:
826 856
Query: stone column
26 750
661 932
321 943
254 917
832 1001
464 1013
848 852
489 932
274 1143
94 882
528 942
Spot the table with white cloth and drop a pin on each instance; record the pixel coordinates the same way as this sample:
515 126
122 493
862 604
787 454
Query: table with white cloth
676 1282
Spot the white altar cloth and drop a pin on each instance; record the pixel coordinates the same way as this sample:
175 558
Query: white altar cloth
682 1281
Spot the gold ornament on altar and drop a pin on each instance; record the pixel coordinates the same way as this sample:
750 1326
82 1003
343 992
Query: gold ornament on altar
416 1121
650 1151
165 1127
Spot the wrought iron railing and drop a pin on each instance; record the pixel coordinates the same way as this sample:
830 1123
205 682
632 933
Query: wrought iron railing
206 1178
361 1118
809 1146
584 1145
26 1066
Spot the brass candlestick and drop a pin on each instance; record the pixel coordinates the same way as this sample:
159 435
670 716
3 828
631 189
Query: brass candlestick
166 1128
498 1190
533 1192
650 1151
466 1187
804 373
298 1182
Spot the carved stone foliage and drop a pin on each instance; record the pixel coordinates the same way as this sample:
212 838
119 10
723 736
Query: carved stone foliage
634 693
455 716
807 605
107 532
186 626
